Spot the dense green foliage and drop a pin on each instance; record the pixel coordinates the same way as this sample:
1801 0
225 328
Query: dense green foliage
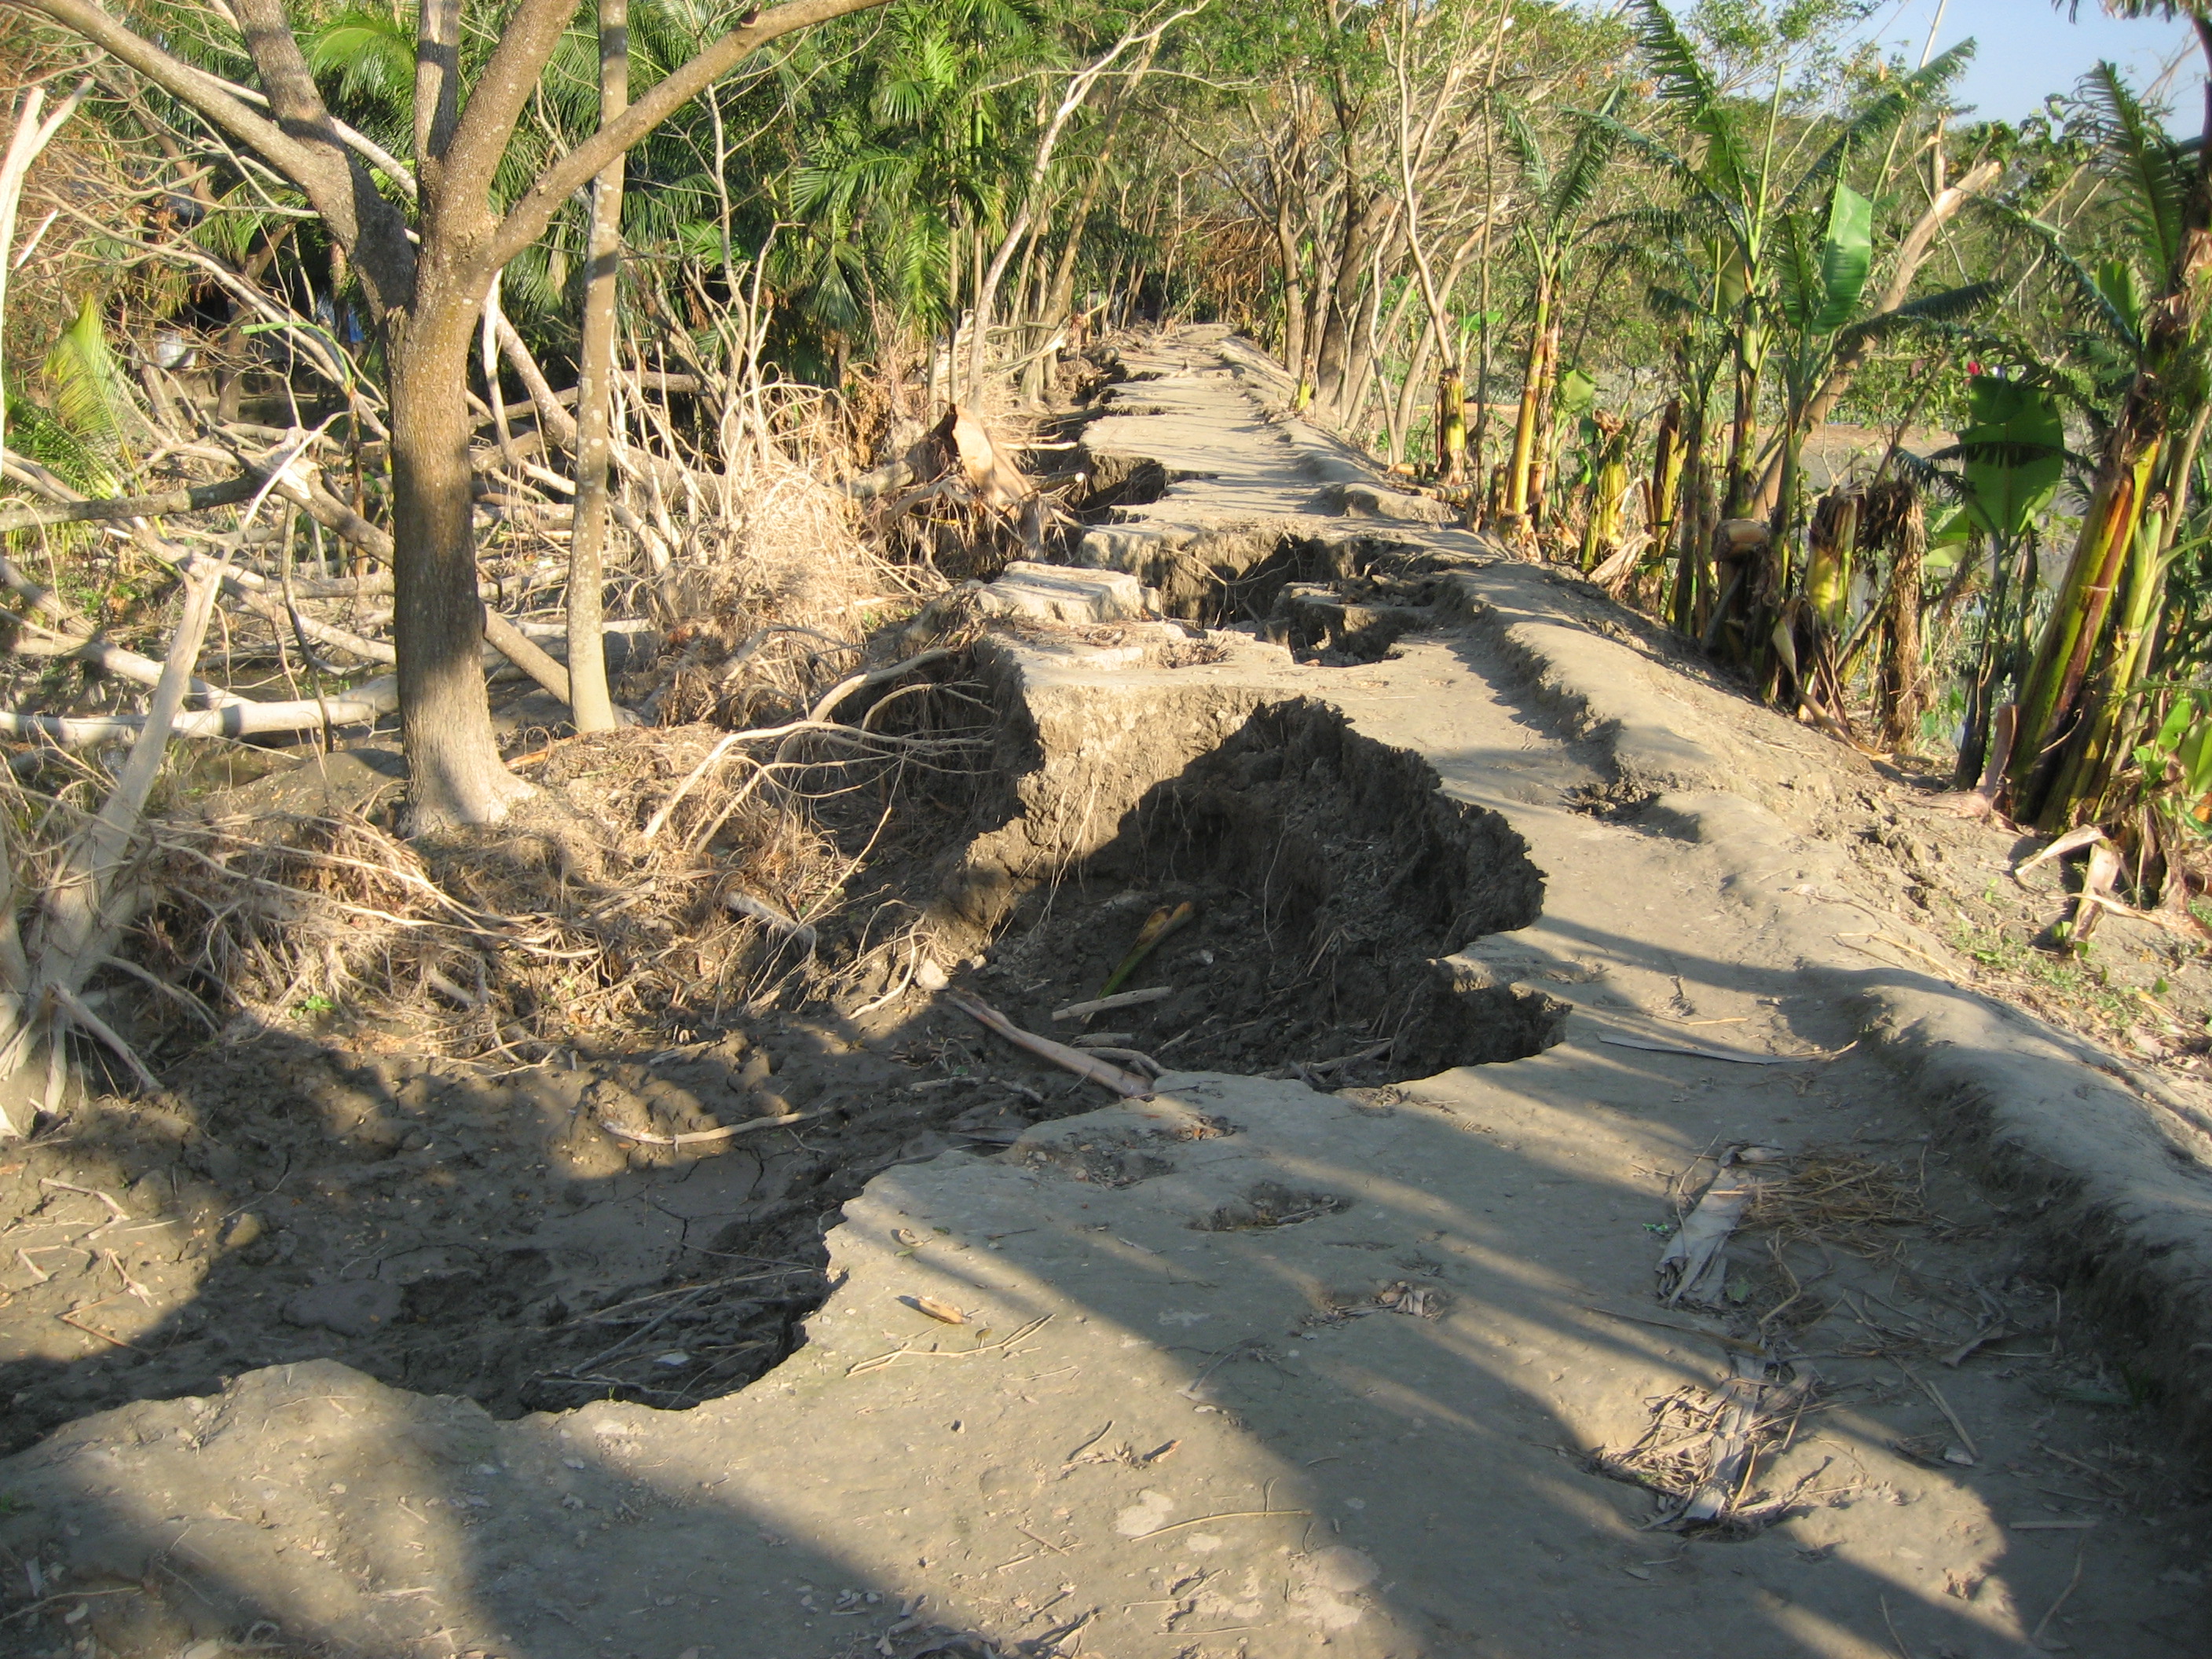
1786 269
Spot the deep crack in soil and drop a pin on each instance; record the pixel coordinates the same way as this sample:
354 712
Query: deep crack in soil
453 1228
1326 875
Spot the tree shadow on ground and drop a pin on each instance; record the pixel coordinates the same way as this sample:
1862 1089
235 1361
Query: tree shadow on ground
1177 1419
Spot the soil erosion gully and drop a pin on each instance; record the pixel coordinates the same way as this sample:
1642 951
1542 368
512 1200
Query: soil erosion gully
1639 1247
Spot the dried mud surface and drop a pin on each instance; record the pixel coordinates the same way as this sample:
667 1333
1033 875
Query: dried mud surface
454 1228
1960 1442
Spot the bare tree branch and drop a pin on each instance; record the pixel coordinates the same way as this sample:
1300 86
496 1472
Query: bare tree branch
527 219
300 142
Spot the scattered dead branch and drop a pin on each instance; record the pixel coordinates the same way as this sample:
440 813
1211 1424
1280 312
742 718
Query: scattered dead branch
1700 1450
1128 1084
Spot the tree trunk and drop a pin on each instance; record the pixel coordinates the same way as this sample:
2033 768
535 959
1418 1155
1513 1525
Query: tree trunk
589 702
1519 468
2051 698
1693 530
2090 756
1666 475
1540 462
1318 296
1743 430
1451 424
453 769
1341 313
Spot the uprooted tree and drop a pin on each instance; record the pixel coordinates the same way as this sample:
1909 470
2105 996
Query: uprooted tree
424 283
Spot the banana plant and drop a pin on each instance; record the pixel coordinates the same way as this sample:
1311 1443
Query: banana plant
2012 452
1552 235
1817 291
1780 240
2076 700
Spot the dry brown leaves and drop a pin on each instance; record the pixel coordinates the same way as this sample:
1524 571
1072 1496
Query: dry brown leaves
566 923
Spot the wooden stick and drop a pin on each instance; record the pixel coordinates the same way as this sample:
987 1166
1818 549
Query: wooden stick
2035 1638
1943 1406
1136 1057
1120 999
1125 1084
72 1005
197 499
364 705
694 1137
1699 1052
1225 1515
845 688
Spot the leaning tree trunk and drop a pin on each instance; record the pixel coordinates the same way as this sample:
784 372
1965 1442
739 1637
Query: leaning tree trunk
454 772
593 709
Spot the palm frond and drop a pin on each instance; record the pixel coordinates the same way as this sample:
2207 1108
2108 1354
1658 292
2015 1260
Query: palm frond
1528 150
1905 95
1952 305
1579 180
90 395
2147 165
2083 292
1685 175
38 433
1684 82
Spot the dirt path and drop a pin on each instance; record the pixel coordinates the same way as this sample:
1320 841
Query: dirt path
1266 1366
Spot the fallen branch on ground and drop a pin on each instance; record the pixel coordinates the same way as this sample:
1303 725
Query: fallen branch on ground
364 704
1125 1084
1119 999
727 1131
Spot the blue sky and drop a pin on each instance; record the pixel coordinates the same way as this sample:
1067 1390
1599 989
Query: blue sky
2025 49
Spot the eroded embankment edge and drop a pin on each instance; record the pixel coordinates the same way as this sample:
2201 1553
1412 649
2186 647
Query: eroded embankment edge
2112 1190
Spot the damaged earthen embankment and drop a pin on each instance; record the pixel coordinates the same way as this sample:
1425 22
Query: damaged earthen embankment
2110 1182
1505 933
2107 1171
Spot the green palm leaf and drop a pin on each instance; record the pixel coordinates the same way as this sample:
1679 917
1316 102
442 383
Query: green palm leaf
90 394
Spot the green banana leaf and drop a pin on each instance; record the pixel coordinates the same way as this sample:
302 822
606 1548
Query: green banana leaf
2014 447
1846 256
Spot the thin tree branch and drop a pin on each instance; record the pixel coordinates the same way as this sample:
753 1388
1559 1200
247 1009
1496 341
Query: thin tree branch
527 219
